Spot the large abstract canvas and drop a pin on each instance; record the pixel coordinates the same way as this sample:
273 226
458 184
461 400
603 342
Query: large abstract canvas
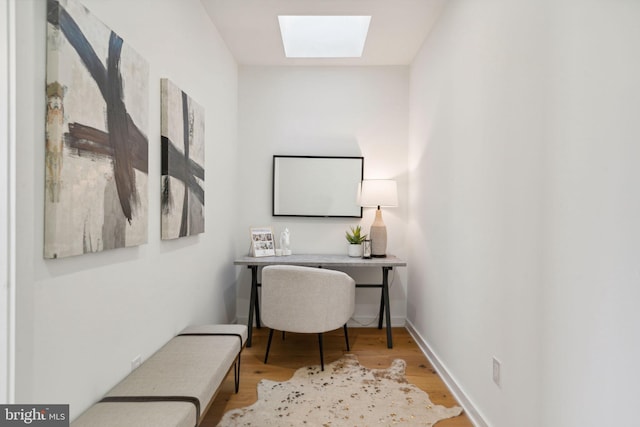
182 163
96 140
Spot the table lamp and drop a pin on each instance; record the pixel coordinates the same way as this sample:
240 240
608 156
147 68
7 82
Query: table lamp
378 193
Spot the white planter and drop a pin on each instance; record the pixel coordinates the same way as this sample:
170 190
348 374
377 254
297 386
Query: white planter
355 250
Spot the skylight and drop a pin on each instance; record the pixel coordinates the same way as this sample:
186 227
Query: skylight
324 36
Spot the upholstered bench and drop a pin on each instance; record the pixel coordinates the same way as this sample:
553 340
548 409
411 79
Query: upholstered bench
176 385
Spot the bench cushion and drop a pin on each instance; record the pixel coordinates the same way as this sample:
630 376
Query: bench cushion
192 366
108 414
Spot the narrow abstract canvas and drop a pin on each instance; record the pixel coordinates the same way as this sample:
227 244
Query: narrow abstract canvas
182 163
96 140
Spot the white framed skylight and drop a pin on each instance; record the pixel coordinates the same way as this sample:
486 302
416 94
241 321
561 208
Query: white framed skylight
324 36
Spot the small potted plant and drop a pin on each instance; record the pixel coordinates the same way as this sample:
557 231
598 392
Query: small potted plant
355 239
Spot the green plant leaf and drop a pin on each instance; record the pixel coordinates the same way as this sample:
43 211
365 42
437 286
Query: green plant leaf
355 237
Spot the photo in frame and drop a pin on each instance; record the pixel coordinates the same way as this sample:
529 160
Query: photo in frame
262 242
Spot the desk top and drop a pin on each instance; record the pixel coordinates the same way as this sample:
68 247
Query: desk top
313 260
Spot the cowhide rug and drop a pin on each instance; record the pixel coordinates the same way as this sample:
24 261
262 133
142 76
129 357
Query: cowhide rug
345 394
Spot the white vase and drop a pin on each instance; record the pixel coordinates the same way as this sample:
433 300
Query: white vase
355 250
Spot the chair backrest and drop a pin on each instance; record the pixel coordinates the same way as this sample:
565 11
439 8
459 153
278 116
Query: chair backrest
306 299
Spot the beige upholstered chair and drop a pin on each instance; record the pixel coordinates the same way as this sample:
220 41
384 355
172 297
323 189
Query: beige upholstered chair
306 300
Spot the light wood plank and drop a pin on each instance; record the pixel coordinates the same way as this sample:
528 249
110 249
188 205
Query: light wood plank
298 350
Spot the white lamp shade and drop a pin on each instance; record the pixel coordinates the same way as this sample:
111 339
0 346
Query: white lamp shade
378 192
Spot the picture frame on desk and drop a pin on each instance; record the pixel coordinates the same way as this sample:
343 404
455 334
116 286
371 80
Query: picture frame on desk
262 242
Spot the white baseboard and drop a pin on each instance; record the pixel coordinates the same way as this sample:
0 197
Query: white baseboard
464 401
355 322
372 322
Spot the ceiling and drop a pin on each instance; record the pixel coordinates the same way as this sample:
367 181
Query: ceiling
250 28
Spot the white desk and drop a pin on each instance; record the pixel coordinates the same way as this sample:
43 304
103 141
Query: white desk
323 261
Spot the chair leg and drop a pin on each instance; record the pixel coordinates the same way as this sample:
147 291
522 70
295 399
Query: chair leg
346 336
236 374
266 355
321 354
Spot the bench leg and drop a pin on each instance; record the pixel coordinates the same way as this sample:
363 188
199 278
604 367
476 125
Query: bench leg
321 353
346 336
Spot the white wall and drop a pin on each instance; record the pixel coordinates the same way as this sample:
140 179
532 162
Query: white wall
590 319
81 320
7 200
523 205
521 200
350 111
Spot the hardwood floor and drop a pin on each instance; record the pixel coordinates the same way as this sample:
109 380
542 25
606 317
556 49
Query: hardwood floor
298 350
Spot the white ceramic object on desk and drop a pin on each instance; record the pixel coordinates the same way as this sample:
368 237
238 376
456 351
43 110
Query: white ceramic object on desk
355 250
285 242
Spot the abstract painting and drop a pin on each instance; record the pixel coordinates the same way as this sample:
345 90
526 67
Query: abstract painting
96 158
182 163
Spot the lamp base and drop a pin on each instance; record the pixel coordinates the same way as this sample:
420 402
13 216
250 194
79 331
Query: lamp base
378 236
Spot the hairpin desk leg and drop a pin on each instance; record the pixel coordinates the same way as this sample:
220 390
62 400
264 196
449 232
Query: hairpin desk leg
385 297
253 300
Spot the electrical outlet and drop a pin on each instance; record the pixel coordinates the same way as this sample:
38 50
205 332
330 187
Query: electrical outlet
137 361
496 371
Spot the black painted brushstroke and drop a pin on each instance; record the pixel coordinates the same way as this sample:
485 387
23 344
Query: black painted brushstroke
166 144
192 169
165 197
53 12
87 140
118 130
123 132
60 18
184 163
187 174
